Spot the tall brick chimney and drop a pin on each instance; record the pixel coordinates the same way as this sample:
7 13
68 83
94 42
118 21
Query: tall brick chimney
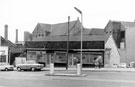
16 36
6 32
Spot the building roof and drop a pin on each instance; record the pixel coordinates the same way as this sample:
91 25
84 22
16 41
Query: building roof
62 28
92 31
42 27
97 31
128 24
13 47
75 38
125 23
5 42
59 29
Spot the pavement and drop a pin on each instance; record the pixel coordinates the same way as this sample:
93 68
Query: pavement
72 72
95 70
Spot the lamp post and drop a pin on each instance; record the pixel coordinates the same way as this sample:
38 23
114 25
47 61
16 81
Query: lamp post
81 33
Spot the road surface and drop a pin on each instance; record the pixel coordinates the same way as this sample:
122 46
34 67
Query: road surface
93 79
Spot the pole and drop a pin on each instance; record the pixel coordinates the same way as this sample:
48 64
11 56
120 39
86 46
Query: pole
67 43
81 40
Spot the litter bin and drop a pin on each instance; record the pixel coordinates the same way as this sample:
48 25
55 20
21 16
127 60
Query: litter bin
51 68
78 69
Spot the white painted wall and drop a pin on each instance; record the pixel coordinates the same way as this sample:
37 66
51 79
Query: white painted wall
114 53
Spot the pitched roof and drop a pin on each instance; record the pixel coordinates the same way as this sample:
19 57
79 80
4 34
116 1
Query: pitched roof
60 28
125 23
97 31
92 31
86 31
42 27
128 24
5 42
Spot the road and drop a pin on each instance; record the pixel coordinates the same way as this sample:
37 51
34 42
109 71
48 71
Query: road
40 79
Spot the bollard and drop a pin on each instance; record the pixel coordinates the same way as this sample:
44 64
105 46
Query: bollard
51 68
78 69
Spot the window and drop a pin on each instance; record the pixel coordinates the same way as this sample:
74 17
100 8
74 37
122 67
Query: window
2 58
122 34
122 40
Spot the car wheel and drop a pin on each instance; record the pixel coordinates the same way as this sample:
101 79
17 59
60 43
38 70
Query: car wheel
32 69
6 69
19 69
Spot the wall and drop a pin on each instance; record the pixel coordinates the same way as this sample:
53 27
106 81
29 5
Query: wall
130 44
114 54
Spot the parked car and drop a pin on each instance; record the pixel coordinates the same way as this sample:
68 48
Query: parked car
29 65
6 66
122 65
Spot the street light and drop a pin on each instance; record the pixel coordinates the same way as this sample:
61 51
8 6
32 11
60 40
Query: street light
81 33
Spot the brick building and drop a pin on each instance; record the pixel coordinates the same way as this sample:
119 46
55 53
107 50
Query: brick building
50 41
123 34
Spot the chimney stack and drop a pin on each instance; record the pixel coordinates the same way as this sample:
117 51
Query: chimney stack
16 36
6 32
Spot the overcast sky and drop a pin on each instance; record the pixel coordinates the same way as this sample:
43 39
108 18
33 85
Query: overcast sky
25 14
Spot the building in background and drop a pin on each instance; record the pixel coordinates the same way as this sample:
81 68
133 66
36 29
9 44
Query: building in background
27 36
9 50
123 34
4 54
50 41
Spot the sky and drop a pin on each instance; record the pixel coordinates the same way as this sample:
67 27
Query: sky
25 14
